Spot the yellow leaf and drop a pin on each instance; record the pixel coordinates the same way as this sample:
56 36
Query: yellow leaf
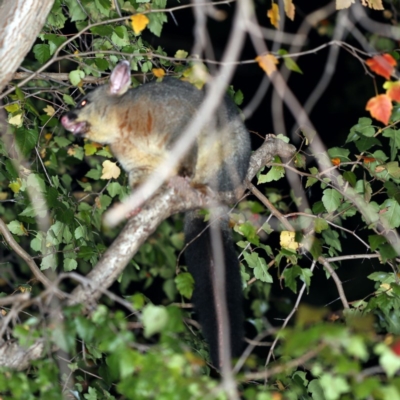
374 4
110 170
289 8
90 149
71 151
139 22
3 195
158 72
97 202
15 186
181 54
16 120
340 4
48 136
288 241
268 63
49 110
12 107
273 15
197 75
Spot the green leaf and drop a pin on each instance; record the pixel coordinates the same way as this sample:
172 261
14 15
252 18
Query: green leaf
290 274
156 22
290 64
69 100
75 11
259 266
334 386
331 199
320 225
387 252
36 244
154 319
381 276
393 134
375 241
332 239
102 64
339 152
274 174
392 215
350 177
76 77
120 36
41 52
80 232
249 231
316 390
17 228
114 189
94 174
102 30
86 252
310 180
392 190
55 41
62 141
393 169
365 143
104 6
70 264
388 360
26 140
185 284
48 261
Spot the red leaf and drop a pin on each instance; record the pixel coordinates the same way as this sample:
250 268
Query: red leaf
380 108
396 347
393 90
382 65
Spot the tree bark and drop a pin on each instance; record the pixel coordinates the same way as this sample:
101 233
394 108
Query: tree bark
20 24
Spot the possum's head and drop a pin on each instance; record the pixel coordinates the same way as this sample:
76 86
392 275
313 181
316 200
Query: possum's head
96 115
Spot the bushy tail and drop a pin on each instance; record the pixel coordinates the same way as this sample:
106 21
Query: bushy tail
199 258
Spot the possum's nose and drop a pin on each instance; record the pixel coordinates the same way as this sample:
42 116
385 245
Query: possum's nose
73 126
65 121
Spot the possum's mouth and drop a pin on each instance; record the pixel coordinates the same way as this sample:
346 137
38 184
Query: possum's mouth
77 128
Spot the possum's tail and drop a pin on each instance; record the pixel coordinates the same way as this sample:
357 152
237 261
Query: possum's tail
200 259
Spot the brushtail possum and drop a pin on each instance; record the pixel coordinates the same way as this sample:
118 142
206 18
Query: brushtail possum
141 125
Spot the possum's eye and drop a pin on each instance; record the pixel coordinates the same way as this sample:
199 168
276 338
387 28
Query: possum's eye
83 103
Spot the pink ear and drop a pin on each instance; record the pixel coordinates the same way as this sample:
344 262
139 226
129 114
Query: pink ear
120 78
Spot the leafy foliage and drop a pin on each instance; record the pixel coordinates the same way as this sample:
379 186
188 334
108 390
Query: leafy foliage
137 344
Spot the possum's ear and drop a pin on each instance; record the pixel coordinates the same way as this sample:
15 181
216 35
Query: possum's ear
120 79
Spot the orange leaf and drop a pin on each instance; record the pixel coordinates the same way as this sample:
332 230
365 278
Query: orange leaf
380 108
139 22
268 63
368 160
392 90
382 65
158 72
273 15
335 161
289 8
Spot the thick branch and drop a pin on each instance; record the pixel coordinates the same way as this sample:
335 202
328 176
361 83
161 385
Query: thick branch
20 24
